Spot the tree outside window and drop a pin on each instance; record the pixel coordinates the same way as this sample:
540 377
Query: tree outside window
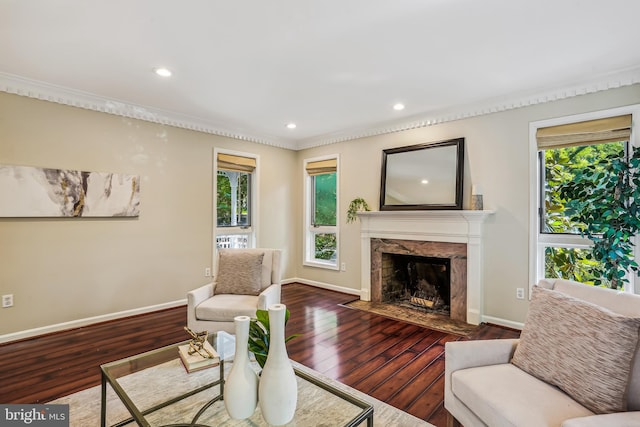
561 166
587 200
324 214
321 213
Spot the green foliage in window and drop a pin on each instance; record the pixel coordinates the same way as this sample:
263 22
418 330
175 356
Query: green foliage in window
224 197
604 199
325 201
561 167
571 264
325 246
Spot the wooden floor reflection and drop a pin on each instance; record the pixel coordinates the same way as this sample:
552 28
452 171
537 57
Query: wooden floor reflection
399 363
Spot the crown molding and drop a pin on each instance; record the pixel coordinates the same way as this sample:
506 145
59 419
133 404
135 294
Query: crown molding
601 83
21 86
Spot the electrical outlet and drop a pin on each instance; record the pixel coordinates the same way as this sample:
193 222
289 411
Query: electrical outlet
7 301
520 293
343 266
207 272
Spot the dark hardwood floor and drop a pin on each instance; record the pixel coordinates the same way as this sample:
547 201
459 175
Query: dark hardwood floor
399 363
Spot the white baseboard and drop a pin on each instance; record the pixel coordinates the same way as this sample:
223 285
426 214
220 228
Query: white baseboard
503 322
323 285
87 321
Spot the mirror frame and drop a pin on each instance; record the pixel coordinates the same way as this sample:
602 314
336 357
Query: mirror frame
459 175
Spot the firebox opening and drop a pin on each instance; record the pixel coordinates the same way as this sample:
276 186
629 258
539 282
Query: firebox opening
418 282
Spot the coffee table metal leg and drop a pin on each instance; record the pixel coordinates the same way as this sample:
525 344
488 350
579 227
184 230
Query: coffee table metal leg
103 400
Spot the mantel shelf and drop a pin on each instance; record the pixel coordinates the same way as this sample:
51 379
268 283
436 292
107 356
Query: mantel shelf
477 215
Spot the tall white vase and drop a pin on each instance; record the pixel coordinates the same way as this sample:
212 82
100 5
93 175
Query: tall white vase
278 389
241 386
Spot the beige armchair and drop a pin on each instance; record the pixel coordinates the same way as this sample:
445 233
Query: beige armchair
577 363
245 280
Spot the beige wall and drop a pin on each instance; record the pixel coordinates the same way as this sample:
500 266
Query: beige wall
497 158
61 270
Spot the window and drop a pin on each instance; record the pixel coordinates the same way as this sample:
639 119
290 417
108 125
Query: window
321 213
235 175
561 150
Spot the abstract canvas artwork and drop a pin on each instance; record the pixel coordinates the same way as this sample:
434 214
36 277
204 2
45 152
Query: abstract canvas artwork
40 192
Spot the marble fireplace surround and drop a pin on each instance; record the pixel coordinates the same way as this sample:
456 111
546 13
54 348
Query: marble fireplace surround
428 233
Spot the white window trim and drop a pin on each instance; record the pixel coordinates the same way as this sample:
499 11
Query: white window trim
252 231
308 244
536 240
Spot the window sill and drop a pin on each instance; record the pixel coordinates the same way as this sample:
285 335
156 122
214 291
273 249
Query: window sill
320 264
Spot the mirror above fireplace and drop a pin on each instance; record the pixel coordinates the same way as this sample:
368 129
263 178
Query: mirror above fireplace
423 176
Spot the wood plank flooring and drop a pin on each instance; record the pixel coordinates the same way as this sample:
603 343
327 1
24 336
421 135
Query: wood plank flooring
399 363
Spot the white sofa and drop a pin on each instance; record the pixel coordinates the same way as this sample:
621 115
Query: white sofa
482 387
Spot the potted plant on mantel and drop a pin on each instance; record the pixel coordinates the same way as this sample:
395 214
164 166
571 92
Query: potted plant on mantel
357 205
604 198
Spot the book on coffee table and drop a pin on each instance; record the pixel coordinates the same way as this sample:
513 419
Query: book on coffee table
196 361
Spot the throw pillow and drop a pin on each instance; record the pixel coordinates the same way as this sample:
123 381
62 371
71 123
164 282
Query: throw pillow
584 349
239 272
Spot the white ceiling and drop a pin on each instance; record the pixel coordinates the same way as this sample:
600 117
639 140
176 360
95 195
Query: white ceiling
334 67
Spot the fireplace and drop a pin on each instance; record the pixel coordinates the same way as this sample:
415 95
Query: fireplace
417 282
451 255
452 236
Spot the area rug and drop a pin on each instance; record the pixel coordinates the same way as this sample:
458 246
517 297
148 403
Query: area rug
435 321
153 383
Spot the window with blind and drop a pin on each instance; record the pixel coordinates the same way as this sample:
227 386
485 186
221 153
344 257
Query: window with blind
234 200
562 150
321 212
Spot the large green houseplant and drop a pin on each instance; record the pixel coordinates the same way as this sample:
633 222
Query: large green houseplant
604 198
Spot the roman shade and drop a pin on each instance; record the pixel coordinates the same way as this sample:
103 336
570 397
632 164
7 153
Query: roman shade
611 129
322 166
230 162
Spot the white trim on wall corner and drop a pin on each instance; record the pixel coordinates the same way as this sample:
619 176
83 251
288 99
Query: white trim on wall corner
29 333
323 285
503 322
62 95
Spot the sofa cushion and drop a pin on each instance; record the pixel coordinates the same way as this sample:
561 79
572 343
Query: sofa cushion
617 301
504 395
584 349
239 272
619 419
224 307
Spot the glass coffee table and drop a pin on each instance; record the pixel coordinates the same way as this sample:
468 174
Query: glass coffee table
156 390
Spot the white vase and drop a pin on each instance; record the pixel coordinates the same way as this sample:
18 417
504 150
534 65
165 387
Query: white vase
241 386
278 389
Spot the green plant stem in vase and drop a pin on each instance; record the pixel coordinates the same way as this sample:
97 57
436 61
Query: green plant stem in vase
259 335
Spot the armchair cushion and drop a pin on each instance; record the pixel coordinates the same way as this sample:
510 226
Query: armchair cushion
239 272
584 349
223 308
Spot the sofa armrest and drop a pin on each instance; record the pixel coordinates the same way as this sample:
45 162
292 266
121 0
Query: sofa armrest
269 296
620 419
470 354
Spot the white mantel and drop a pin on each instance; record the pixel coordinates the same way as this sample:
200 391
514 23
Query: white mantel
435 226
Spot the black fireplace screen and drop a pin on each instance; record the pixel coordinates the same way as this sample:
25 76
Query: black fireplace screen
416 281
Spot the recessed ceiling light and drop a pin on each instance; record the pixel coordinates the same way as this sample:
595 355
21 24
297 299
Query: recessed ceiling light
291 126
398 107
163 72
424 181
